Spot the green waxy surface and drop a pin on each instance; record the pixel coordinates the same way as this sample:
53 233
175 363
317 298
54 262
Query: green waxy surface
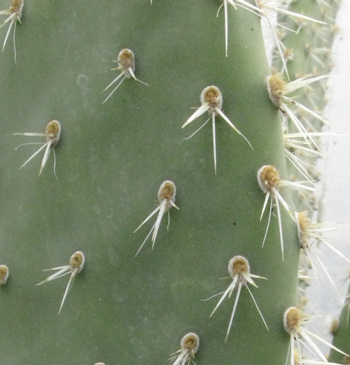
341 336
316 98
111 161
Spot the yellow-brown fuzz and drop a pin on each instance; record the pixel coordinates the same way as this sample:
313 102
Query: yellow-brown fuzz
16 6
293 317
335 29
334 327
166 191
276 86
125 60
77 260
212 96
304 223
53 130
346 359
190 343
288 54
239 265
269 177
3 274
53 127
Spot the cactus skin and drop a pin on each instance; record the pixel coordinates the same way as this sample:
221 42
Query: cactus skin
303 61
111 160
341 336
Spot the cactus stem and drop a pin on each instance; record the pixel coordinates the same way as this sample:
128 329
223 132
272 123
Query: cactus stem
261 9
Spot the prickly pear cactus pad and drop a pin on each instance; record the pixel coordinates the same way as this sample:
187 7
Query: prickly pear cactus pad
341 336
111 159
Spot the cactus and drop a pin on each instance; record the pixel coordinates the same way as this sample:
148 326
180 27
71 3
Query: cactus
146 293
341 335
